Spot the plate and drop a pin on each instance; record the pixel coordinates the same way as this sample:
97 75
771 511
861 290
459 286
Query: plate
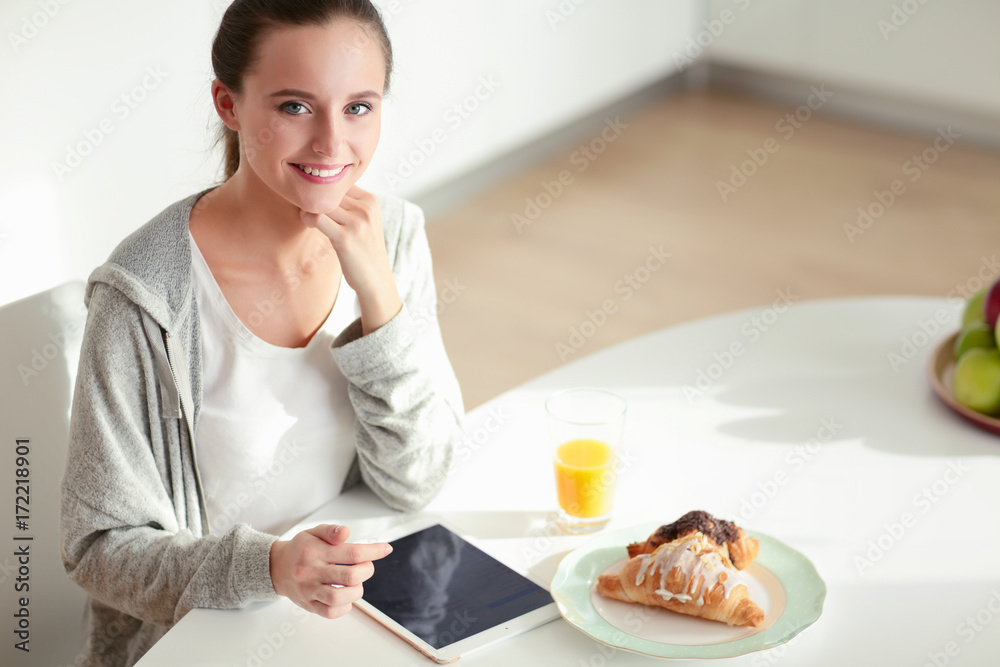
942 372
782 581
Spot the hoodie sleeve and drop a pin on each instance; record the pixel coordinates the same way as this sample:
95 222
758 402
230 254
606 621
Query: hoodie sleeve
131 535
408 405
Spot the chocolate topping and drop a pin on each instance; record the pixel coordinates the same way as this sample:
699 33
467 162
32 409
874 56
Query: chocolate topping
715 529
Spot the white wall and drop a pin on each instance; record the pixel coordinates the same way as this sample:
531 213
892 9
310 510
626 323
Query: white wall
117 92
944 53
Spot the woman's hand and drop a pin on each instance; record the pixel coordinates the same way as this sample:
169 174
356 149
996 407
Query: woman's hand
355 230
320 572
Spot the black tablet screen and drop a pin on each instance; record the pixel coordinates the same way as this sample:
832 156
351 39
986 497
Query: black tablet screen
443 589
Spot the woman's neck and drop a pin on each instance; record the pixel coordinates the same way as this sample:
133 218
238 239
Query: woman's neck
264 225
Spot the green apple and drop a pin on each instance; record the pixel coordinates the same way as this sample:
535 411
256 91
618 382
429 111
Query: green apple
977 334
977 380
974 308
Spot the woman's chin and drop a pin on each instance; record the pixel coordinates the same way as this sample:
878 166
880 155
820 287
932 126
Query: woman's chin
318 205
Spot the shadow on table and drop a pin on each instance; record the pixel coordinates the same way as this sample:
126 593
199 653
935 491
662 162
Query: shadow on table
875 409
502 525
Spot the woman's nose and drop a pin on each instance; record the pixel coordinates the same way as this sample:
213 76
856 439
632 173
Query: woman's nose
329 136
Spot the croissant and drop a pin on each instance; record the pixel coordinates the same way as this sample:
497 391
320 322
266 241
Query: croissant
739 548
690 575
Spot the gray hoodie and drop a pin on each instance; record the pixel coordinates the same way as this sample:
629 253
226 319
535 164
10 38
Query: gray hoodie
135 533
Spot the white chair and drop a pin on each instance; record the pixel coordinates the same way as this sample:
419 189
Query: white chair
39 348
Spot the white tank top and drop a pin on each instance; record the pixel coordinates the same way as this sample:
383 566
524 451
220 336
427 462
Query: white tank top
275 438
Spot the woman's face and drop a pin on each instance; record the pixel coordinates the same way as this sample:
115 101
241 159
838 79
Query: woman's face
312 101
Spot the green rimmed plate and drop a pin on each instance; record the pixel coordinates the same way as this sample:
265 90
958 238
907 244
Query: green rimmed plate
782 581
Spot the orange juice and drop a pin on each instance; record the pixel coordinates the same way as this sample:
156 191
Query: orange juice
585 478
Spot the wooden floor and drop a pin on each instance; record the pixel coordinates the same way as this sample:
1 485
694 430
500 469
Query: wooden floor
519 270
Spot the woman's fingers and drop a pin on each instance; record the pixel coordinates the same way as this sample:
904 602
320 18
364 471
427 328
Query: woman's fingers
358 201
323 223
349 554
331 610
356 208
330 533
319 571
347 575
355 231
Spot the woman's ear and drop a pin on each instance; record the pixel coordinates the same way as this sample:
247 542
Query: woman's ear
225 105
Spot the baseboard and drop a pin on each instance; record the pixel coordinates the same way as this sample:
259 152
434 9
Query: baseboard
887 113
875 108
448 196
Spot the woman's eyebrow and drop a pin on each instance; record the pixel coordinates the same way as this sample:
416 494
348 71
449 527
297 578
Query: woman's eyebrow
292 92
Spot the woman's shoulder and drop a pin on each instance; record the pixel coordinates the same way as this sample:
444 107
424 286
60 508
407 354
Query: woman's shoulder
166 233
402 225
152 264
398 212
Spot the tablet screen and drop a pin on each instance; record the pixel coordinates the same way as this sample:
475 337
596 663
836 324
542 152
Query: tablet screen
443 589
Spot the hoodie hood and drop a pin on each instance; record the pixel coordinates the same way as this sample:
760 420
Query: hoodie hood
152 266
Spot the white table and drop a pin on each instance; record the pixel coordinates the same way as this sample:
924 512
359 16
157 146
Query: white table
815 425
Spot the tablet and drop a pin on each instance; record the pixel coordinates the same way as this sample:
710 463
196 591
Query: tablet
447 597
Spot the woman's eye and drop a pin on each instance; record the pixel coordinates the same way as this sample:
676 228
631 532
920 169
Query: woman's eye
358 109
294 108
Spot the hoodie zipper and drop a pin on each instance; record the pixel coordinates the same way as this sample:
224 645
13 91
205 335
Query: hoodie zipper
167 339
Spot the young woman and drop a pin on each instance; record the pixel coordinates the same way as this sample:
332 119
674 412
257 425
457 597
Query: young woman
256 348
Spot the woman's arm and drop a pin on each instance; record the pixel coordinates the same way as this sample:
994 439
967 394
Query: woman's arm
403 389
131 521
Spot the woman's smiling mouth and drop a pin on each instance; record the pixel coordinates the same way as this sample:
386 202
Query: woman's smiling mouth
321 173
332 170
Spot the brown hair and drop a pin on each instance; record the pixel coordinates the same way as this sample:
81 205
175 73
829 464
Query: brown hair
245 24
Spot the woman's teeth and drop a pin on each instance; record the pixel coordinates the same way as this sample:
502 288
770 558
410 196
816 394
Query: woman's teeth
322 173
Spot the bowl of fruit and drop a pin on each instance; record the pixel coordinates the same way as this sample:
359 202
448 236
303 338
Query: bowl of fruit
965 368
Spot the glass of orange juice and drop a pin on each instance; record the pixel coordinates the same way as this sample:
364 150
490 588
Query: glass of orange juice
585 428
